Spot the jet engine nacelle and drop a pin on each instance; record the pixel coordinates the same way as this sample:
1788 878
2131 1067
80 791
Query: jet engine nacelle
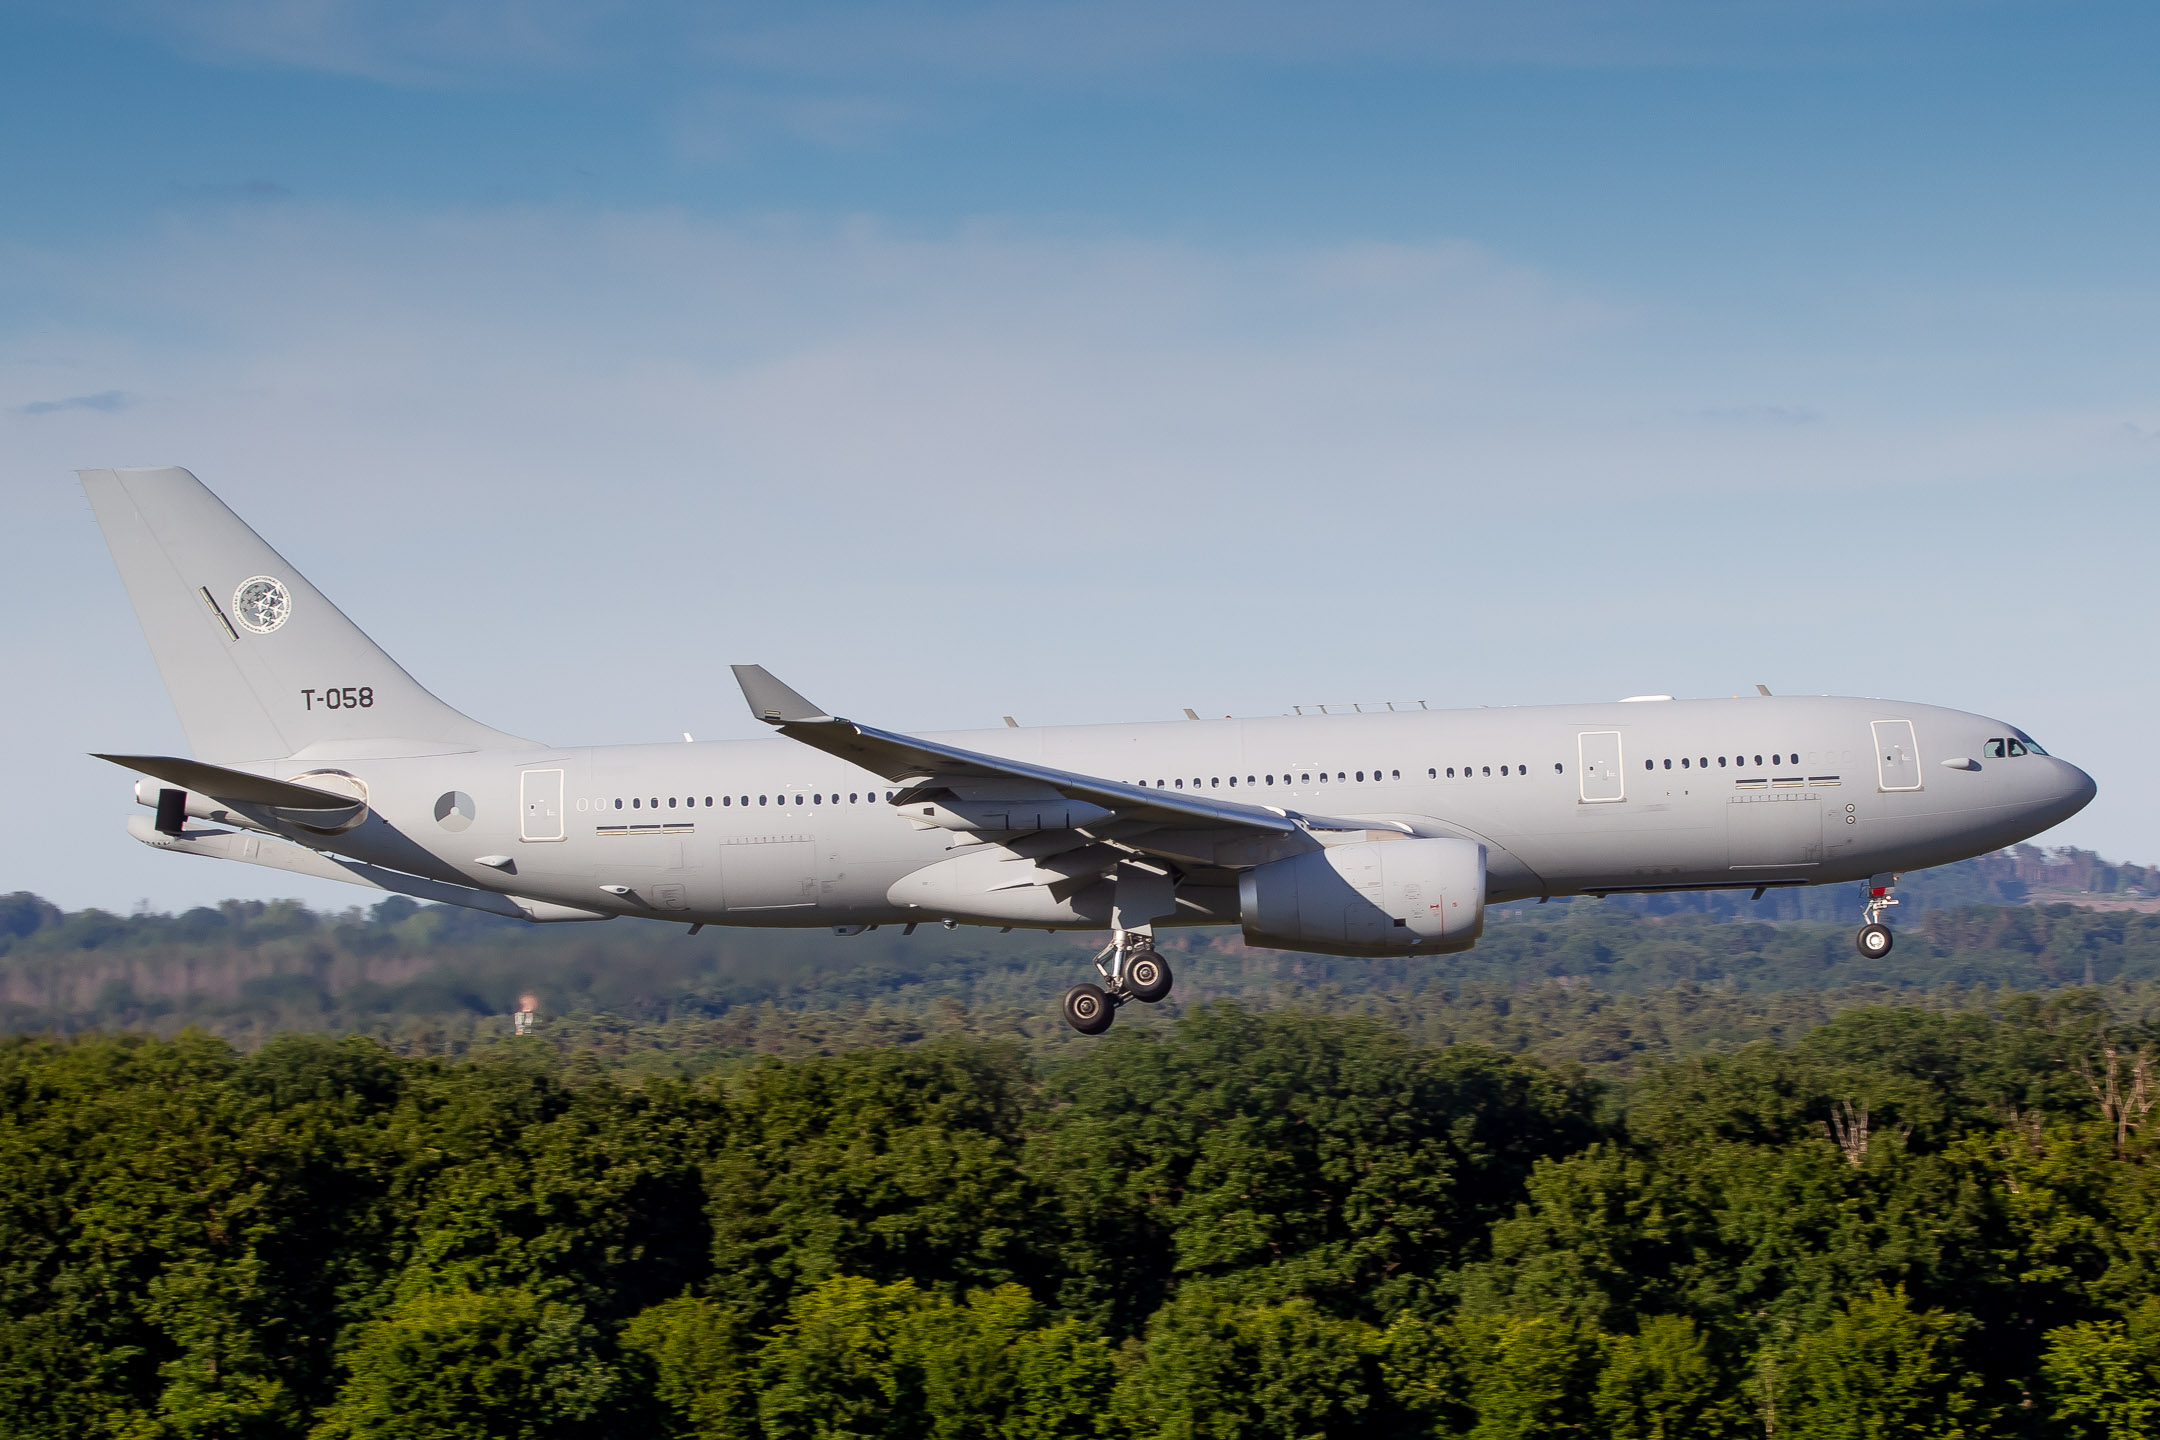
1374 897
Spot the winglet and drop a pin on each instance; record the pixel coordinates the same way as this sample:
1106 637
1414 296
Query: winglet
771 701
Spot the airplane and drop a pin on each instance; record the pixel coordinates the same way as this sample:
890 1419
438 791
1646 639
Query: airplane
1384 832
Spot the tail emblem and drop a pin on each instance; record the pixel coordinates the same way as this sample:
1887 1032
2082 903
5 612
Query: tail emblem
262 604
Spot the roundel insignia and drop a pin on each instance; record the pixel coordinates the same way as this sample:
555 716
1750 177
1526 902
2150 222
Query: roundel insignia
262 604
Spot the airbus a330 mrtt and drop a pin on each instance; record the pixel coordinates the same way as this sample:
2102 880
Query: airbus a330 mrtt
1350 834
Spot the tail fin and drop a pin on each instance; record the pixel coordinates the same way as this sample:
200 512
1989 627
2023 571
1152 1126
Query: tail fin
259 665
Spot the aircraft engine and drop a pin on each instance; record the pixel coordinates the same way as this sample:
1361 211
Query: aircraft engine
1374 897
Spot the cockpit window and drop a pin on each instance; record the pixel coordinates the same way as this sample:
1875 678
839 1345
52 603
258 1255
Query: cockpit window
2030 744
1993 750
2017 747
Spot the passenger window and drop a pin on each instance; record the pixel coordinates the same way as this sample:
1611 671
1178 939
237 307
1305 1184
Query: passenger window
761 799
1721 762
1361 776
1233 782
1451 772
1648 765
1323 777
1181 784
1683 762
1668 764
618 804
817 799
1394 774
727 799
1304 779
1214 784
636 804
671 802
1556 768
798 799
1758 759
2017 747
1488 770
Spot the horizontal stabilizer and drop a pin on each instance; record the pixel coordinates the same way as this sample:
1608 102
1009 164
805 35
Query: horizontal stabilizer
235 787
298 860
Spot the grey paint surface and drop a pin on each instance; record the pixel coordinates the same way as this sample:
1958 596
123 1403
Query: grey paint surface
838 823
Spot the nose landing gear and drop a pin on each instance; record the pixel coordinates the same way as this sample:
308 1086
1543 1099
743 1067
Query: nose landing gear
1874 939
1131 970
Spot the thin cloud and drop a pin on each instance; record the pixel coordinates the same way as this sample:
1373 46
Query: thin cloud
994 41
1763 415
240 192
105 402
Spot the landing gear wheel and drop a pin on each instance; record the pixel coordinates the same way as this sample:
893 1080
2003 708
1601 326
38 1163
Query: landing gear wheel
1147 976
1874 941
1088 1009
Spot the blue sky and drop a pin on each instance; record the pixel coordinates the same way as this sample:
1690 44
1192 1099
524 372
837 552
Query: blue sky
1089 360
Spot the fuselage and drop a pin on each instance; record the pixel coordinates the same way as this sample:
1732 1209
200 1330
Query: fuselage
1578 799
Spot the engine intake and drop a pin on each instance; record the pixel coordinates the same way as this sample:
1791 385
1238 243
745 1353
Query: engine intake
1374 897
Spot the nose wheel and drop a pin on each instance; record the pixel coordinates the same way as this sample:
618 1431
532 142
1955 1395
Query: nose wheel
1131 970
1875 939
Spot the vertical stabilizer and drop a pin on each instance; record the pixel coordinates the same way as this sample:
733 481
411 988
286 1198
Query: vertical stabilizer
259 665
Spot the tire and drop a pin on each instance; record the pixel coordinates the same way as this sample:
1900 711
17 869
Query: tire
1147 976
1874 941
1088 1010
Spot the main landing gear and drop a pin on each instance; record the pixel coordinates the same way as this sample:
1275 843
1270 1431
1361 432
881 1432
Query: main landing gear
1874 938
1131 970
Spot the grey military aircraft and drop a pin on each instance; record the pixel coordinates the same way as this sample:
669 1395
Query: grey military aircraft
1383 832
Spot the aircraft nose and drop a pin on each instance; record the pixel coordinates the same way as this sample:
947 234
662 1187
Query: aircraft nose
2072 790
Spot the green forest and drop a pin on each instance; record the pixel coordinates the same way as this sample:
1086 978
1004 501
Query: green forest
1239 1223
1624 1170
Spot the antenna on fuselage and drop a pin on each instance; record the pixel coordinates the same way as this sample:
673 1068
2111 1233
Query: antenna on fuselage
1762 689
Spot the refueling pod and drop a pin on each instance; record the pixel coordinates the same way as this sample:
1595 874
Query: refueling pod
1371 897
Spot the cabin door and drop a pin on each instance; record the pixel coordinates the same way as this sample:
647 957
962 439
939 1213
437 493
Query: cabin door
540 793
1897 755
1602 778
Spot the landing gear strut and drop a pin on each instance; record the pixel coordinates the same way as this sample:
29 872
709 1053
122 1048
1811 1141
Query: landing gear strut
1131 970
1874 939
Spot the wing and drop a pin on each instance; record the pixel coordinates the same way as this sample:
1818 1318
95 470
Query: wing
926 765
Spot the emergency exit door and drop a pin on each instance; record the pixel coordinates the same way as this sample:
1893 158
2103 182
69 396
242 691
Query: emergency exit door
1603 780
540 793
